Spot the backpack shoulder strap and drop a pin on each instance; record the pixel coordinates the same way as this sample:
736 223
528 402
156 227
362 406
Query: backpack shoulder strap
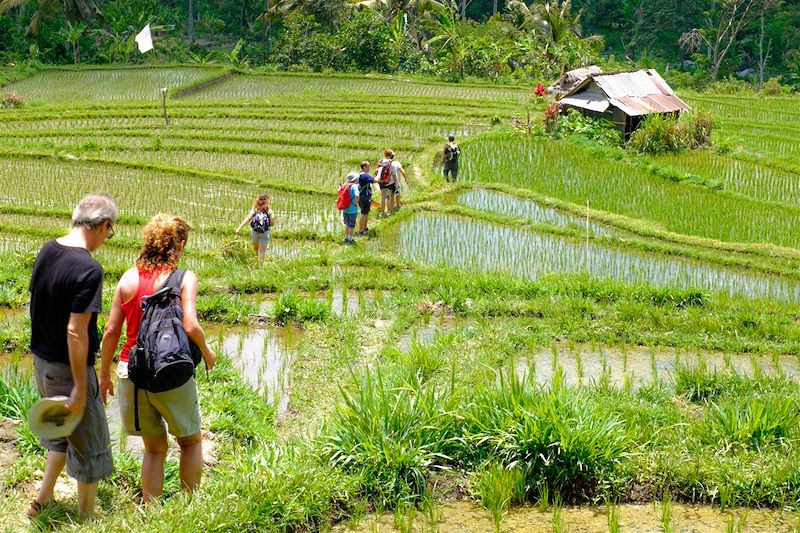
176 278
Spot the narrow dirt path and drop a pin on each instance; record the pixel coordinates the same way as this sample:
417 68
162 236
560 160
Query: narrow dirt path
419 176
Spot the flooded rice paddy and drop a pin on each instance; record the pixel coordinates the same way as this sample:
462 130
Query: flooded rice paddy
465 517
506 204
631 367
485 247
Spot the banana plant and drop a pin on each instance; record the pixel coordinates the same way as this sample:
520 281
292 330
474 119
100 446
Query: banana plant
74 10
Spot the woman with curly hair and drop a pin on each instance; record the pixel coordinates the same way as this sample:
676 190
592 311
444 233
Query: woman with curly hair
165 238
261 220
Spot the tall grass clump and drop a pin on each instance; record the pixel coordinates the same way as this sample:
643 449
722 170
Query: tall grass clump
659 134
753 421
393 431
18 392
290 307
558 436
225 308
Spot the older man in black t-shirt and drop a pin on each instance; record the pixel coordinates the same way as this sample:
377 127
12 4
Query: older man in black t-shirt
66 295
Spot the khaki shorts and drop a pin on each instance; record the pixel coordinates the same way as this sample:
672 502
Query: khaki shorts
179 408
88 449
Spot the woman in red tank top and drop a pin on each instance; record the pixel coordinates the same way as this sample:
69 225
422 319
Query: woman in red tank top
165 237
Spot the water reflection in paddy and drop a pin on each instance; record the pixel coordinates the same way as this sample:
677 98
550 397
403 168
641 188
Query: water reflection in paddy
475 245
630 367
264 356
509 205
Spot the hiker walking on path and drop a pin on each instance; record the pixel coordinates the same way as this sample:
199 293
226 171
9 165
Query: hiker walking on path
396 170
365 181
386 182
347 203
451 155
143 412
66 295
261 219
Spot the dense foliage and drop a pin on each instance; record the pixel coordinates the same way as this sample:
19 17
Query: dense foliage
753 40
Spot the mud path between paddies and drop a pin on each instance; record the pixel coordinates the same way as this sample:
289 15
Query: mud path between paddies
419 176
467 517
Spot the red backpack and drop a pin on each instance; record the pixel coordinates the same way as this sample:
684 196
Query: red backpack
385 171
343 199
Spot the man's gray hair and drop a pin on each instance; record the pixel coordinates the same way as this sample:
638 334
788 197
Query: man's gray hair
93 210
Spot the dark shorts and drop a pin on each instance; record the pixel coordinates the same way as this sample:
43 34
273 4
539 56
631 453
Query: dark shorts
452 171
349 219
365 204
88 449
389 186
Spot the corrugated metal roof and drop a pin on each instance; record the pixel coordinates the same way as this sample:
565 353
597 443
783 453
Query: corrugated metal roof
636 93
587 100
642 105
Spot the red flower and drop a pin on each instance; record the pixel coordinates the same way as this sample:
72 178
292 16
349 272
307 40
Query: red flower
539 89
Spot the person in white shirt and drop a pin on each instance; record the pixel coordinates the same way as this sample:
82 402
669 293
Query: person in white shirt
397 170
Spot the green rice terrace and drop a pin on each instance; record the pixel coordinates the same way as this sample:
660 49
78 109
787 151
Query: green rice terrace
572 337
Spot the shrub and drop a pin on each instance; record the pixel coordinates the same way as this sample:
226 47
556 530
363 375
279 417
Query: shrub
659 134
11 100
773 87
600 131
729 85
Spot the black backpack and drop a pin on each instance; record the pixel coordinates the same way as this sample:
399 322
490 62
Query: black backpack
451 153
163 358
260 222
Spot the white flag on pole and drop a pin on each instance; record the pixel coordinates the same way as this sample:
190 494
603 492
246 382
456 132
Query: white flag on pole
144 40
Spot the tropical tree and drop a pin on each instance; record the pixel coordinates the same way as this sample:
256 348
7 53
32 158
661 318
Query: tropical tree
74 10
74 33
721 30
558 32
443 23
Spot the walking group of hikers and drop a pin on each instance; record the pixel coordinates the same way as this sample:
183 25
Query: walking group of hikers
155 302
355 195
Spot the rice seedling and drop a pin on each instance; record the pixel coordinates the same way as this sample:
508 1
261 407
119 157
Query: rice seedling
498 487
736 524
612 511
667 508
557 518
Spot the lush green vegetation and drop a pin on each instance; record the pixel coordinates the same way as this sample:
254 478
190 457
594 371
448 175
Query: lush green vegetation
509 342
748 44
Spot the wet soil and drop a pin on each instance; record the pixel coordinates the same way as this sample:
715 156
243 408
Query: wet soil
467 517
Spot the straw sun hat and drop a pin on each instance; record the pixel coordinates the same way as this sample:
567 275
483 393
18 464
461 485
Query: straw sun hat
50 419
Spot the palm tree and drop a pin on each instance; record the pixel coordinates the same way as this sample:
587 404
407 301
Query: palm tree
396 8
553 19
75 10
